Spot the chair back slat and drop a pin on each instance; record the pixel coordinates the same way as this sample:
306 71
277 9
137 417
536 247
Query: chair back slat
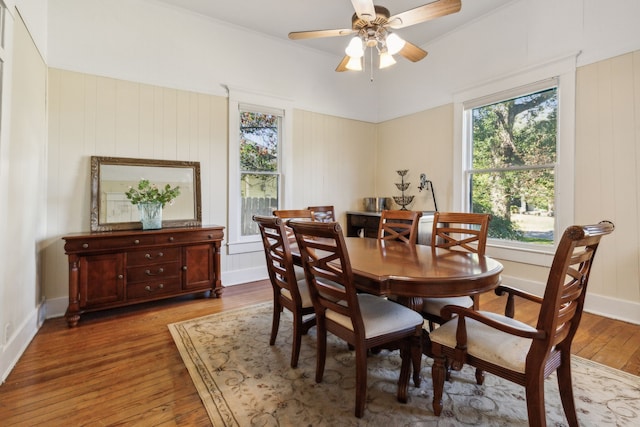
399 225
325 213
278 254
460 231
563 300
289 214
328 270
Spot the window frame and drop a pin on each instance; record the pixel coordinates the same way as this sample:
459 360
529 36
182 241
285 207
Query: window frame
559 73
242 100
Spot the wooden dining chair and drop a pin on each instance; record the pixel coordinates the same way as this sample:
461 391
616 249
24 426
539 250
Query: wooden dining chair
399 225
515 350
456 231
324 213
288 291
362 320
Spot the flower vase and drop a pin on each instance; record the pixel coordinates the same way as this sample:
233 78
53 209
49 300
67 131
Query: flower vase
150 215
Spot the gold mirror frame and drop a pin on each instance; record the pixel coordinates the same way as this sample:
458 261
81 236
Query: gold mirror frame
111 177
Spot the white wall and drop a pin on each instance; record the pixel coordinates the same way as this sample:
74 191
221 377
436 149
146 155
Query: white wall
23 186
143 41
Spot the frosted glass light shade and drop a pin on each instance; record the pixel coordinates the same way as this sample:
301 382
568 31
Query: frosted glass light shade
394 43
355 49
354 64
386 60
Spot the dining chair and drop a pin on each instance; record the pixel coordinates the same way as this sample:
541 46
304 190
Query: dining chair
456 231
399 225
288 291
324 213
363 320
515 350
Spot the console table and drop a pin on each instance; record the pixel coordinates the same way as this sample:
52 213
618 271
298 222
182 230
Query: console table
119 268
365 224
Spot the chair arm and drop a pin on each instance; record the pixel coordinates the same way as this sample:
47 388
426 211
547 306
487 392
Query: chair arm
463 312
509 309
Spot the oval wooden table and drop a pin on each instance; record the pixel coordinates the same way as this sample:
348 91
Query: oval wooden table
413 272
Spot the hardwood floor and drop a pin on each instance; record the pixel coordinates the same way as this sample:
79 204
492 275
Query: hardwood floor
122 367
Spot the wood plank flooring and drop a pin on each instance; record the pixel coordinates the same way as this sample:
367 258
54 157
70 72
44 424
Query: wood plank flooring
121 367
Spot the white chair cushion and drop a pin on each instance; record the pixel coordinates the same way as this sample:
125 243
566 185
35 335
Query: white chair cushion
487 343
379 316
305 296
434 305
299 272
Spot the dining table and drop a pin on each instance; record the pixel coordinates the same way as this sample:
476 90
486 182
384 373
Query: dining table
413 272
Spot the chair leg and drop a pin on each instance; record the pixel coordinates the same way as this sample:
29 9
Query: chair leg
322 349
406 350
437 375
275 324
361 379
565 386
297 339
479 376
535 401
416 357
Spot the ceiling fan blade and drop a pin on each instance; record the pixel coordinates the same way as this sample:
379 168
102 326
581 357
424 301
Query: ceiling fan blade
365 9
412 52
424 13
299 35
342 66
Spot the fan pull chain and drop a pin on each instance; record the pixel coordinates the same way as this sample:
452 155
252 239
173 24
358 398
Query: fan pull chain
371 63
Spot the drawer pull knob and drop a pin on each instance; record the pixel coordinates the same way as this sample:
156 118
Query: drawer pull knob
120 276
136 242
148 288
171 239
210 236
184 268
149 256
85 245
149 273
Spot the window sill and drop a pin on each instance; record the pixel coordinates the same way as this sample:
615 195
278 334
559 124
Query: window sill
523 253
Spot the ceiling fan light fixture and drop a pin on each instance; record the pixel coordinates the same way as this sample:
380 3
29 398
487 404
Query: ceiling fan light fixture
386 60
354 64
394 43
355 49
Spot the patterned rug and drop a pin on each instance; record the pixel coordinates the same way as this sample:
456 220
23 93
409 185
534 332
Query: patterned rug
243 381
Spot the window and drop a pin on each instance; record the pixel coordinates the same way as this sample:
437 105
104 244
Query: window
514 158
259 166
260 129
511 170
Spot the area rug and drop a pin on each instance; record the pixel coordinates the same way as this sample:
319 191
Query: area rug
243 381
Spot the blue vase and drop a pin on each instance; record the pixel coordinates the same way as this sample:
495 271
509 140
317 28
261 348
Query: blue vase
150 215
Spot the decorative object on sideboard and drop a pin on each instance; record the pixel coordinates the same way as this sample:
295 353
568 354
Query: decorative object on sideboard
403 200
377 204
425 184
151 200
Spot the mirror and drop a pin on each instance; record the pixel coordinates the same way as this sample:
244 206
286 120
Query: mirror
111 177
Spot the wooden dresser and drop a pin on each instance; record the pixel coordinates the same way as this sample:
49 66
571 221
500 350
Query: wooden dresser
118 268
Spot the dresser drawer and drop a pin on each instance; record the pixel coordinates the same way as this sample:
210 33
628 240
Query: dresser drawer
153 288
159 271
153 256
190 237
98 244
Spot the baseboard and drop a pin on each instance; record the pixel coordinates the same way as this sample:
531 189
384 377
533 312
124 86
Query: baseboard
613 308
17 343
238 277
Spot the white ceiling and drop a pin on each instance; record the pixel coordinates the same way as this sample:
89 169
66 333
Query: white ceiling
276 18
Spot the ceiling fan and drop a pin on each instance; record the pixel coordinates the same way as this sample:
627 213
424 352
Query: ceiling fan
372 27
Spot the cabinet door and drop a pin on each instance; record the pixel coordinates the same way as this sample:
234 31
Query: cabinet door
101 280
198 267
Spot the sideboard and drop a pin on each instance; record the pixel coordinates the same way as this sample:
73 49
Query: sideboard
365 224
119 268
